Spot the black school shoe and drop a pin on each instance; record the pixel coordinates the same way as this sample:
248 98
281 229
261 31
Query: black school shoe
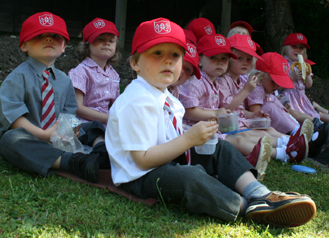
85 166
316 145
104 159
281 209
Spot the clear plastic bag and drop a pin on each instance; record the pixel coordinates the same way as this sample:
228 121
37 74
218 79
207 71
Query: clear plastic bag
64 137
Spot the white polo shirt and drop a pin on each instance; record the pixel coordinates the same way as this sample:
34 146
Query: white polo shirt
137 122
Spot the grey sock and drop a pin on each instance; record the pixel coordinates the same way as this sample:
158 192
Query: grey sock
65 158
255 189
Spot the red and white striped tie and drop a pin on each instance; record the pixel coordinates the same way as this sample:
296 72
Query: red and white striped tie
48 106
178 129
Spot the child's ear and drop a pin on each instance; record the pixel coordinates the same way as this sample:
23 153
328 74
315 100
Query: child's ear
64 47
134 64
23 47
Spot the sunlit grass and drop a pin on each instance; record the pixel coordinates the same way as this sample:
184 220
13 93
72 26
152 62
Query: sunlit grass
33 206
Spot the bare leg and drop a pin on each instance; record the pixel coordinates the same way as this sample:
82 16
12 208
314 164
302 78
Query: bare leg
324 117
318 108
299 116
57 162
243 181
246 144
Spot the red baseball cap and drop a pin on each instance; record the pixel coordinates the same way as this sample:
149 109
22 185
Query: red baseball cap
42 22
192 57
259 50
200 27
96 27
278 68
244 43
310 62
296 39
157 31
190 37
243 24
211 45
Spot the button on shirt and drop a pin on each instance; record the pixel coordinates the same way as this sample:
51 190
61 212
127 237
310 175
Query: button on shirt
20 94
98 86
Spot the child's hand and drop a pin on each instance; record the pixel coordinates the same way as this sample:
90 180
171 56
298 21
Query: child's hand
201 132
296 74
48 132
251 83
260 114
222 111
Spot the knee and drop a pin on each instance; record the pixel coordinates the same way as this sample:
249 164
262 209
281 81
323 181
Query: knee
13 135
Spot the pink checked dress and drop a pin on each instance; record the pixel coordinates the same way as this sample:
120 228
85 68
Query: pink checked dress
298 99
228 88
100 87
200 93
280 118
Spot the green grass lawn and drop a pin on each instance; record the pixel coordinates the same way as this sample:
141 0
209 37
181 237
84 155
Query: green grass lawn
33 206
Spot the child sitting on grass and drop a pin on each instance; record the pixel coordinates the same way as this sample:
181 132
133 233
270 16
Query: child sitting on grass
147 148
31 99
95 81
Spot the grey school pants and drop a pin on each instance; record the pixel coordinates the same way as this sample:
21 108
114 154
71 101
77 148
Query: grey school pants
22 149
206 186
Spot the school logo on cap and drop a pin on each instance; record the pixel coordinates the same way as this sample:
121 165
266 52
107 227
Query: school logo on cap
99 24
162 27
220 40
191 50
285 68
300 37
46 20
250 42
208 29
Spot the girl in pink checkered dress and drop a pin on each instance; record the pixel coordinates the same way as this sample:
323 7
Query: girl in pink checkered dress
295 44
95 81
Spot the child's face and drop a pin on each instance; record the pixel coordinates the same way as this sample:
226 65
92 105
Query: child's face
269 85
243 64
214 66
293 51
241 30
160 65
187 72
45 47
103 47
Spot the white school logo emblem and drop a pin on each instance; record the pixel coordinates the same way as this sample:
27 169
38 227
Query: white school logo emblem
300 37
220 40
46 20
191 50
250 42
208 30
285 67
162 27
99 24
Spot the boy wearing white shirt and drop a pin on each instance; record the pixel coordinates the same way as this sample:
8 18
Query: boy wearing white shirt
146 146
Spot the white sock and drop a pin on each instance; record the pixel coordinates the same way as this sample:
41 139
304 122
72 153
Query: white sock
283 140
281 154
293 132
315 136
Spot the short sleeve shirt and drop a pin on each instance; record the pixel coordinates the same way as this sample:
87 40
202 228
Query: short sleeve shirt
137 122
20 94
98 86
